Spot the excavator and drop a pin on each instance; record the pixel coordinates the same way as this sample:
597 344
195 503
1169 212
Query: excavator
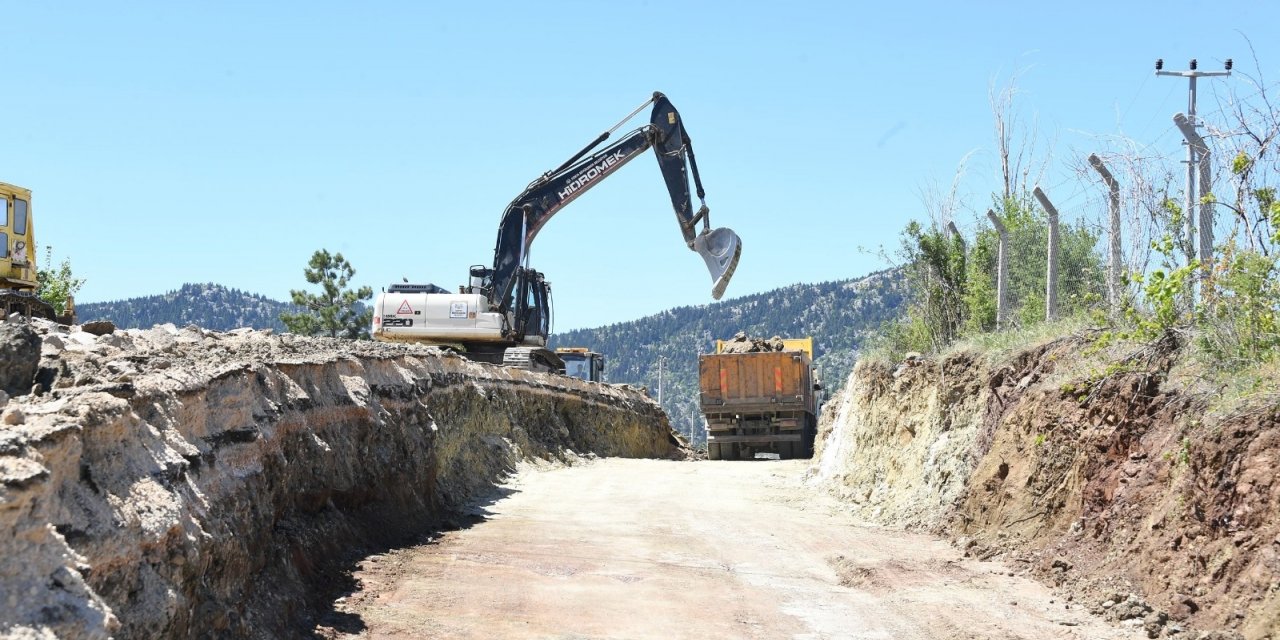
18 281
503 314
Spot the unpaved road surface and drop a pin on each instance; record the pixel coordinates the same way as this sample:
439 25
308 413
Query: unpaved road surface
621 548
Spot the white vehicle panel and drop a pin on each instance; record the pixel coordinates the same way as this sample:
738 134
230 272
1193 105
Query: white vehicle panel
435 317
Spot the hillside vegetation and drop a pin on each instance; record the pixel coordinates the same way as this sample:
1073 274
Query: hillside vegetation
841 316
211 306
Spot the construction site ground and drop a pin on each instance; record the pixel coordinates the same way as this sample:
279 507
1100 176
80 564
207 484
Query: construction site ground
625 548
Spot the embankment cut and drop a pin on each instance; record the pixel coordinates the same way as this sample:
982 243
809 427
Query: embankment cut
185 483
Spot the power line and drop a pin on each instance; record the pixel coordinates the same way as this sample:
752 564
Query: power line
1194 154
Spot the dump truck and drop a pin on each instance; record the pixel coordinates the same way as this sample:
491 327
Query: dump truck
581 362
761 399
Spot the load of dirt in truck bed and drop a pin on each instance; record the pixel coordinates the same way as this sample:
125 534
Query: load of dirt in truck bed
741 343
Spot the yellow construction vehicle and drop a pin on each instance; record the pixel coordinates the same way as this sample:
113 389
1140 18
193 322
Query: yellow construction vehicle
18 256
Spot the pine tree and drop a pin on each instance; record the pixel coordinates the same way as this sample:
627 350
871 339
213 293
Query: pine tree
335 311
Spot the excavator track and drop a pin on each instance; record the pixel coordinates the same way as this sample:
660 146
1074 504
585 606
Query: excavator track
26 304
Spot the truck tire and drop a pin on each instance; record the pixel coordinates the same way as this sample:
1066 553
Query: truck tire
789 450
808 435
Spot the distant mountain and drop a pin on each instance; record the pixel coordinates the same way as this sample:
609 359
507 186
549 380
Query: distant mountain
839 315
211 306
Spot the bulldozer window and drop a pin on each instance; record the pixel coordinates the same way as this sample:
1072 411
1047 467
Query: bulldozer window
4 219
19 216
4 245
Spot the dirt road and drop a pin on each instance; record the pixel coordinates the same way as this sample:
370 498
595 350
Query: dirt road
622 548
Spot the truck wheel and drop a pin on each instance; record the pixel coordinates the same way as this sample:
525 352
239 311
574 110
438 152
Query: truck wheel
804 448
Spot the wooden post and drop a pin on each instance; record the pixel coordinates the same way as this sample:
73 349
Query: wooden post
1002 270
1051 276
1113 235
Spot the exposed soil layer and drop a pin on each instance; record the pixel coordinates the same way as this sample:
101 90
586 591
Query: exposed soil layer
1113 484
184 483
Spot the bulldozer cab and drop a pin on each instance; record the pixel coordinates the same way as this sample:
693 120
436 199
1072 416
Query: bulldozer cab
18 282
17 246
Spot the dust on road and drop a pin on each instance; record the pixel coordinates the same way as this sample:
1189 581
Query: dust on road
619 548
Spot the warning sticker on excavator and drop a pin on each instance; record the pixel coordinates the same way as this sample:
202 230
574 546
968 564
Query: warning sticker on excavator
404 309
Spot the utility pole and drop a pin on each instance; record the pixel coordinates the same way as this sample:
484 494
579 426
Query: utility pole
1193 152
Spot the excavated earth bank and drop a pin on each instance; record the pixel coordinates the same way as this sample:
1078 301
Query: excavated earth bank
175 483
1114 484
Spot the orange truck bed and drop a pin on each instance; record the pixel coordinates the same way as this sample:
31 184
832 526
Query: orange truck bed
756 382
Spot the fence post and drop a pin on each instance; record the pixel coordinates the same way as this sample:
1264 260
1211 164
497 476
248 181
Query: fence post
1113 235
1051 275
1002 270
1201 150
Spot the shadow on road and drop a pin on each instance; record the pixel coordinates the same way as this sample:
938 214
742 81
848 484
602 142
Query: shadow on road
381 531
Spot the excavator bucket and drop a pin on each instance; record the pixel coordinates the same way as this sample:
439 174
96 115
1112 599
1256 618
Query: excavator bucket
720 249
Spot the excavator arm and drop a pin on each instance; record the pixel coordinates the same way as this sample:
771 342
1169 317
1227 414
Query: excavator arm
532 209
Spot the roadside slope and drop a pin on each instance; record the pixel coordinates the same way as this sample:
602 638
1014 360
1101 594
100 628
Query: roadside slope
1110 480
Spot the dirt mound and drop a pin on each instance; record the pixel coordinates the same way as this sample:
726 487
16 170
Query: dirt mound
170 482
1113 484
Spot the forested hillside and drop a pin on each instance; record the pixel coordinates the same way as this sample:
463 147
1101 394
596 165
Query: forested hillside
840 316
211 306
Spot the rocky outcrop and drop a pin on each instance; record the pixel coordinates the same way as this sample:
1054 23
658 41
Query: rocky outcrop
897 444
20 355
186 483
1105 479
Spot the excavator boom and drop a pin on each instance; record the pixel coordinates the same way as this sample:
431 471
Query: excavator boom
719 248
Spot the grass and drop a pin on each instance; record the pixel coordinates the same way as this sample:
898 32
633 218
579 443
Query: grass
998 346
1231 393
1223 391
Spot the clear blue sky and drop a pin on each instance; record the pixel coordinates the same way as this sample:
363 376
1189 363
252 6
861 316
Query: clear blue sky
175 142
